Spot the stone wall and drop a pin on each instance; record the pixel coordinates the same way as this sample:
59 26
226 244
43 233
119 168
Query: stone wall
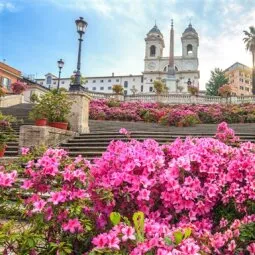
10 100
34 89
48 136
79 116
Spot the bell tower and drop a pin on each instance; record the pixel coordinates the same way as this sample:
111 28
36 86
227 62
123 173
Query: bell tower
154 44
190 42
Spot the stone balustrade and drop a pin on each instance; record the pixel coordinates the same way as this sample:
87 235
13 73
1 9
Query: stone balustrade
177 98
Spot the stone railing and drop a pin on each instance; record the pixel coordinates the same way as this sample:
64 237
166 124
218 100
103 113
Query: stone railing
10 100
177 98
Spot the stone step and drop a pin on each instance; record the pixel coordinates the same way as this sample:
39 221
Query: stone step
88 154
10 153
84 148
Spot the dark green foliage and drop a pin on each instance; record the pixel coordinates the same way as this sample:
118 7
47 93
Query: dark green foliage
217 79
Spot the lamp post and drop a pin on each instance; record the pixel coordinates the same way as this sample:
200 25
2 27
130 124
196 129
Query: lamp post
60 66
81 25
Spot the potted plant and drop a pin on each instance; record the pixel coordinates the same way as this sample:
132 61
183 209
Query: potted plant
118 89
193 90
57 107
38 115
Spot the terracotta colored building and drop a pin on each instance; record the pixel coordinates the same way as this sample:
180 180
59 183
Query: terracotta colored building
240 79
8 75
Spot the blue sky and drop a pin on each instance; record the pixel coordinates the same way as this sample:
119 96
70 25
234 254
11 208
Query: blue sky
34 34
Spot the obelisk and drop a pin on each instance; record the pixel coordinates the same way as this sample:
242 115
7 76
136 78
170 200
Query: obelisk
171 79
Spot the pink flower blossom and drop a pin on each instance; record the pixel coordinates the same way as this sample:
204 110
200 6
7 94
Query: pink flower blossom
128 233
73 226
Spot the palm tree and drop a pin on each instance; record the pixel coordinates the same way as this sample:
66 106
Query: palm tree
249 41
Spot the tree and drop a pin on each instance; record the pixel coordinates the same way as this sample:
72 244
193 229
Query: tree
83 80
159 86
225 90
118 89
217 80
249 41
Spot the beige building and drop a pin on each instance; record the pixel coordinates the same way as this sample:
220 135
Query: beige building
240 79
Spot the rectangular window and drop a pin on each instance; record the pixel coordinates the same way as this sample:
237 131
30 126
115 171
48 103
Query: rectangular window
109 80
142 79
94 81
125 84
125 92
247 89
142 88
101 81
94 88
109 88
6 83
241 87
151 89
117 80
62 82
101 88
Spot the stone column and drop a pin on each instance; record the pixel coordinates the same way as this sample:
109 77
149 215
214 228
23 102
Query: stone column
79 116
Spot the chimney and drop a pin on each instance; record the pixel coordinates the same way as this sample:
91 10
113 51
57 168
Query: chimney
112 74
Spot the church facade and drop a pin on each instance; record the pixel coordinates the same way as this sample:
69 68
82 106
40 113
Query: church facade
156 67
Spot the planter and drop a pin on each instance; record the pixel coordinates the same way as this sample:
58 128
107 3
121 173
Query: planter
61 125
41 122
2 151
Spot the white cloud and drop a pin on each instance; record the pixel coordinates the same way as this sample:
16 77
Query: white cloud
6 6
220 24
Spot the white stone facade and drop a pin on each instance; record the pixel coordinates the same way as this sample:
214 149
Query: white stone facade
186 66
155 68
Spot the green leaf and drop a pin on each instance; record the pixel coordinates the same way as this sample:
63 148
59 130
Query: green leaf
168 241
178 236
138 219
115 218
187 232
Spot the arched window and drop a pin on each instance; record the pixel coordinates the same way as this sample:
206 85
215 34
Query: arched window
152 51
189 49
48 81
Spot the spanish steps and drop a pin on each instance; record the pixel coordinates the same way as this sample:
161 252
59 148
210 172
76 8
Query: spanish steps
102 132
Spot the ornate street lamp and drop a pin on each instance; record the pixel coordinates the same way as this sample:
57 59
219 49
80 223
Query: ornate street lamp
60 66
81 25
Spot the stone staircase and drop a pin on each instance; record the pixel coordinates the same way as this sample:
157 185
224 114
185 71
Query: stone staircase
21 112
92 145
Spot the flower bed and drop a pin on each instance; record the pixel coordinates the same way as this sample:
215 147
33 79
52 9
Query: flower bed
177 115
190 197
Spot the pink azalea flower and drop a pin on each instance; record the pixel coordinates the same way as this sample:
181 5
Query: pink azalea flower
251 248
128 233
73 226
123 131
39 205
24 151
144 194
